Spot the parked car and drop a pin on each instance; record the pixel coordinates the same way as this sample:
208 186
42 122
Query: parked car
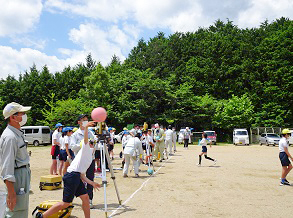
240 137
181 137
37 135
212 136
269 139
118 137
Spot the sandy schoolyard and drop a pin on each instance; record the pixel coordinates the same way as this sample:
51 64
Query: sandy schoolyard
243 183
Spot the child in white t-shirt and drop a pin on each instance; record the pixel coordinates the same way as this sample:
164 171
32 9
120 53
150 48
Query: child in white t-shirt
74 180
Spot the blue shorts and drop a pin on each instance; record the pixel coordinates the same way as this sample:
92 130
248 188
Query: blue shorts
284 159
63 154
73 186
204 149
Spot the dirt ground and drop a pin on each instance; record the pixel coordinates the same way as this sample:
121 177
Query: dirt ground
243 183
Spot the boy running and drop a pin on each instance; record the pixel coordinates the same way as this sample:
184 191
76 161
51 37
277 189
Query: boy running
203 143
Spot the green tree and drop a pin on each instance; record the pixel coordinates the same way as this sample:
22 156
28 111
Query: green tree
235 112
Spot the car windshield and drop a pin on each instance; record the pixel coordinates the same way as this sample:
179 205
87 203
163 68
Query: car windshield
210 133
241 133
273 135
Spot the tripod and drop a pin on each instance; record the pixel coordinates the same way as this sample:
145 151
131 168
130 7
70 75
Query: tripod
105 156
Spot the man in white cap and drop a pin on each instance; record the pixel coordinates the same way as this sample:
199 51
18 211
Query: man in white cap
133 150
159 136
186 135
14 161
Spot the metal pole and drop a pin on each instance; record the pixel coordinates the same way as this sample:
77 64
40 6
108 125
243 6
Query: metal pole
112 174
104 178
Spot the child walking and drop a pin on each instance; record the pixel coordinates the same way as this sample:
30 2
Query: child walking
74 180
204 151
284 156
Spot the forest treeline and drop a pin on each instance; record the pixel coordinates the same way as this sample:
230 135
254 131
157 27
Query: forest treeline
218 77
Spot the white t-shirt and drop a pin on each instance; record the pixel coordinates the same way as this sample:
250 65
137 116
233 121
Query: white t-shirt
283 143
82 160
203 142
62 143
125 140
67 141
169 134
112 135
56 135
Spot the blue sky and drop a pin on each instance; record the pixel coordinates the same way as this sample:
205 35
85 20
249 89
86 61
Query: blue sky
58 33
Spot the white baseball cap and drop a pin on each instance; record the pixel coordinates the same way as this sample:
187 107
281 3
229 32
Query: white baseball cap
13 108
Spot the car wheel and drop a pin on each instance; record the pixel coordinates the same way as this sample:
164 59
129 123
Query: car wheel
260 143
36 143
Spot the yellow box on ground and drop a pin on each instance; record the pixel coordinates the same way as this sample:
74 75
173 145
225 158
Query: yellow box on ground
50 182
45 205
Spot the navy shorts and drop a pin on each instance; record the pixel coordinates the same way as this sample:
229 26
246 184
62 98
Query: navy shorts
110 147
97 154
284 159
63 154
73 186
144 146
204 149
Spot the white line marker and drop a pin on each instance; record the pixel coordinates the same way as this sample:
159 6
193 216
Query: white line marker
142 185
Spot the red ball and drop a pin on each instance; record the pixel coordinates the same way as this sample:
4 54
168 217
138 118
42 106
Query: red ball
99 114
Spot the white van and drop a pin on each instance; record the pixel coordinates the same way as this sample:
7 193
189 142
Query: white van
240 137
37 135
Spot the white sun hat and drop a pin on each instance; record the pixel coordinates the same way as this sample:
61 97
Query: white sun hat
13 108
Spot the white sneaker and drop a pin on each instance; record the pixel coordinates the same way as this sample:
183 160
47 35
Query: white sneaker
199 165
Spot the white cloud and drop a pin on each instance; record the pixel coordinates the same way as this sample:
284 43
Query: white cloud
260 10
108 10
102 44
177 15
14 62
29 42
18 16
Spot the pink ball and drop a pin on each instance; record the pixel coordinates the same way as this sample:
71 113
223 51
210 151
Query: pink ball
99 114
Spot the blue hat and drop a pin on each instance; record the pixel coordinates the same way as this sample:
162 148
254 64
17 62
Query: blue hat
67 129
58 125
125 132
110 128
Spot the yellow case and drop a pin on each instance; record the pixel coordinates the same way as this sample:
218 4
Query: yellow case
44 206
50 182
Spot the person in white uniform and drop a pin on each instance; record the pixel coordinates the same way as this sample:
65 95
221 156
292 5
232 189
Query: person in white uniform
74 180
174 138
132 149
168 140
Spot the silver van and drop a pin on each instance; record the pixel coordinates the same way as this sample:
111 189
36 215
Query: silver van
37 135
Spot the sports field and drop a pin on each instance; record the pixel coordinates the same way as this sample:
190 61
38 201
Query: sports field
244 183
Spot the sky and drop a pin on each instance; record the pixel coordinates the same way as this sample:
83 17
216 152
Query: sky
58 33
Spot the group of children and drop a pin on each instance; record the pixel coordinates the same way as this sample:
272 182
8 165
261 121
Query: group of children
77 154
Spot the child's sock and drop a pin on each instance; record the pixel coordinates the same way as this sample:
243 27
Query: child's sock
199 159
